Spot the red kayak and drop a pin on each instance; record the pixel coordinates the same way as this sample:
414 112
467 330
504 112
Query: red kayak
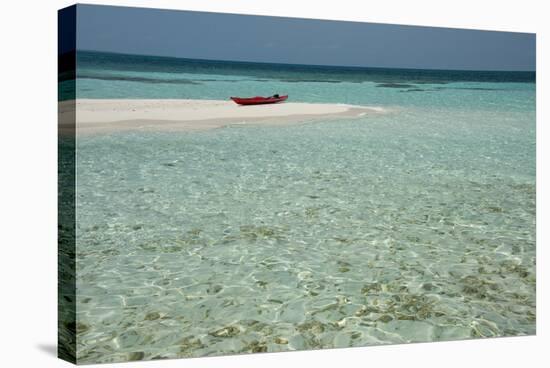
258 100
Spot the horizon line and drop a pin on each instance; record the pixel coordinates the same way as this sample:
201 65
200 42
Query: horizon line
311 65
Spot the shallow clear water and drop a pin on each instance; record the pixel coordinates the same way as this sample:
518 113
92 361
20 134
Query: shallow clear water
416 225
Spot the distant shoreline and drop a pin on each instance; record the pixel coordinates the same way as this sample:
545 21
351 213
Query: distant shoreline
96 116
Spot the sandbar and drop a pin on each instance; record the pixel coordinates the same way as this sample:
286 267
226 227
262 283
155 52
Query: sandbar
113 115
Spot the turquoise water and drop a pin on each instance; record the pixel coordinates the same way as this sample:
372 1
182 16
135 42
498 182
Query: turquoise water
415 225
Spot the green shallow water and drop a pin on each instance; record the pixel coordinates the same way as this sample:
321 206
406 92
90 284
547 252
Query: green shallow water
416 225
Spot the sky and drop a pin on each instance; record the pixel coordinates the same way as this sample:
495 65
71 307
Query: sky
216 36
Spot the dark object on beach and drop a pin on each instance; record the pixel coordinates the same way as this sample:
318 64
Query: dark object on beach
258 100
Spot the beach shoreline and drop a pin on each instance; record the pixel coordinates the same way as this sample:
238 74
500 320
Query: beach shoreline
95 116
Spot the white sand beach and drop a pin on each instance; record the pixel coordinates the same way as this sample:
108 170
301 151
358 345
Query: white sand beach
97 116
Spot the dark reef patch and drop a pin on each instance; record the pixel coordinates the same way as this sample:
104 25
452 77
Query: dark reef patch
395 85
